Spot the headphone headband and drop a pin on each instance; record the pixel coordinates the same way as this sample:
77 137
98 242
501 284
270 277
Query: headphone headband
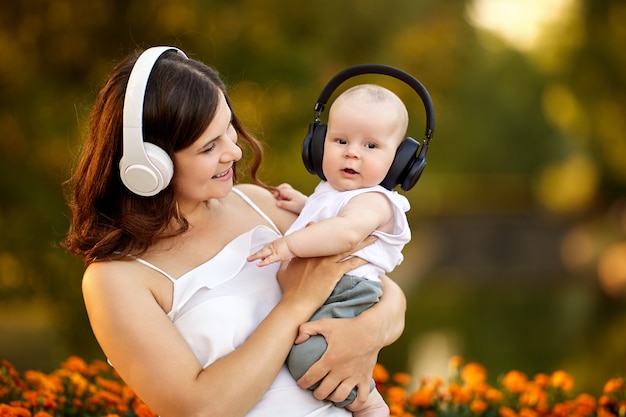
381 69
145 169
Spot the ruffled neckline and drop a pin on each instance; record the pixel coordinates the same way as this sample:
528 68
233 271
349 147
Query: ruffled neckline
224 266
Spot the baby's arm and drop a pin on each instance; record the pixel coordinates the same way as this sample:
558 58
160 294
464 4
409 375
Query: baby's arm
362 215
358 219
289 198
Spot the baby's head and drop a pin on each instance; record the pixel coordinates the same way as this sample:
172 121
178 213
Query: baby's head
366 124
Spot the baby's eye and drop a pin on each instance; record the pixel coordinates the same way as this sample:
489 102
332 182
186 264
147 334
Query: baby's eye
371 145
341 141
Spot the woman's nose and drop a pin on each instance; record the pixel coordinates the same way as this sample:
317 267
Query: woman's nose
233 152
236 152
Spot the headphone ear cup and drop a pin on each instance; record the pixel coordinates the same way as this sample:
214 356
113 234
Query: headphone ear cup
313 149
306 149
405 156
162 162
415 171
148 180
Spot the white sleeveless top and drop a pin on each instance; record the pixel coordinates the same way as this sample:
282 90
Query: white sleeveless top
217 305
384 254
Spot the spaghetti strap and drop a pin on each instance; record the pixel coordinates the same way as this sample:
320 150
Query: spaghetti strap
257 209
156 268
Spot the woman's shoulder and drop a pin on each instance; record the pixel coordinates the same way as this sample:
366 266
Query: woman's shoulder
265 200
255 192
112 275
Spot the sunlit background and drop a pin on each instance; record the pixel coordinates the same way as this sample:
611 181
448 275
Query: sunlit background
518 257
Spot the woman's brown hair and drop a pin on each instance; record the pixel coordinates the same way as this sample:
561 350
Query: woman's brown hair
107 221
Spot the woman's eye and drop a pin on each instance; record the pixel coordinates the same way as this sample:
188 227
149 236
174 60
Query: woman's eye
209 148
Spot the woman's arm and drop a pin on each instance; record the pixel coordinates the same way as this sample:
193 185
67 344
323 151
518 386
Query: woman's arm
353 345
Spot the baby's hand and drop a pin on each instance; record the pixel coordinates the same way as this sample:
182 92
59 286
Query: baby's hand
289 198
265 255
275 251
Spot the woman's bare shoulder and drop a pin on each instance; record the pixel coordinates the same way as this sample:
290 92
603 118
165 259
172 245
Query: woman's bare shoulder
111 275
266 202
255 192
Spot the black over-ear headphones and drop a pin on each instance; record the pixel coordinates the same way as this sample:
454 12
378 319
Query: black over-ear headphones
407 165
145 168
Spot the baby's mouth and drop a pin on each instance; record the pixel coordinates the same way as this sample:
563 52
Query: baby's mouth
349 171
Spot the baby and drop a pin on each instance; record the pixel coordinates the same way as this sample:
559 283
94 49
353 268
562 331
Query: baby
366 125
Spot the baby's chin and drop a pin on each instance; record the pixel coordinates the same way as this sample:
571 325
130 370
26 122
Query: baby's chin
349 186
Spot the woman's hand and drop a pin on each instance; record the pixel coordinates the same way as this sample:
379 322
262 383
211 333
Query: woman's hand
353 346
348 361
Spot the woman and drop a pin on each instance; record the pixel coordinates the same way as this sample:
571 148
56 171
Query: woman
193 328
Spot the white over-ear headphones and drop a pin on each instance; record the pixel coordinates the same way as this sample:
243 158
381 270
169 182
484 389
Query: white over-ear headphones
145 169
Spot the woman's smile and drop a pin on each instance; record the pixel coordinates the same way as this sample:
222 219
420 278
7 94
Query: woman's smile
224 175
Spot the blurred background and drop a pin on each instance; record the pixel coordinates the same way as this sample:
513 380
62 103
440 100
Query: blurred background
518 257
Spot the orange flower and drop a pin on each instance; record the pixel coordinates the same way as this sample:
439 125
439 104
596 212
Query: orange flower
542 380
515 381
109 385
79 383
75 364
478 406
613 385
473 374
562 409
43 382
562 380
143 410
493 395
458 394
380 374
402 378
98 367
396 395
533 396
396 410
78 389
33 398
422 398
108 401
506 412
585 404
9 411
528 412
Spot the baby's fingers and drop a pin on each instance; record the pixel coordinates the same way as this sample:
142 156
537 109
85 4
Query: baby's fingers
263 253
